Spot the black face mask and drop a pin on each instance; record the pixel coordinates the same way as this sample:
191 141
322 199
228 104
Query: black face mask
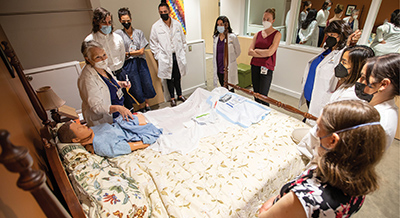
126 25
359 90
308 9
164 16
341 71
330 41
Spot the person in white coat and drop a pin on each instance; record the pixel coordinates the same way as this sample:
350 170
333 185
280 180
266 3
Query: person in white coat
322 17
353 19
113 44
308 32
387 38
221 30
319 79
168 44
101 94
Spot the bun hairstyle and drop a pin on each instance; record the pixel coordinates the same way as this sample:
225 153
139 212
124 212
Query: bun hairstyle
271 11
350 165
338 9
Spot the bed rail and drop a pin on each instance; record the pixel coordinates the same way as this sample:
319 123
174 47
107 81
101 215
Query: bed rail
18 160
275 102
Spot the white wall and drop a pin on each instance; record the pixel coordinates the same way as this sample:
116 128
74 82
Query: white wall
41 39
145 14
234 10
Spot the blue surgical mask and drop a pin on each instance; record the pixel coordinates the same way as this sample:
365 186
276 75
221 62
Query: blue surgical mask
106 29
346 129
220 29
328 8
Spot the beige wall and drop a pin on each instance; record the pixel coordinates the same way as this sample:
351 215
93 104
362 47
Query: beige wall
17 116
42 39
209 13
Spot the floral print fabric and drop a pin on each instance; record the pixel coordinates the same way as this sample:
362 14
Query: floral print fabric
321 199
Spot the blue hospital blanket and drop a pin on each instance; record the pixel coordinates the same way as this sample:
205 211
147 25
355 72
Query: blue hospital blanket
111 140
238 110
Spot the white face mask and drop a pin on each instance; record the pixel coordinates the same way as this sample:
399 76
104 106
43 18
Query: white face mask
101 64
266 24
220 29
355 16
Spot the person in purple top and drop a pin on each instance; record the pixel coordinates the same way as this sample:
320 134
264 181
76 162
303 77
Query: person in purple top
223 29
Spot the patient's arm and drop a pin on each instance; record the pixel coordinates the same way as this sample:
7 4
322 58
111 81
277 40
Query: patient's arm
137 145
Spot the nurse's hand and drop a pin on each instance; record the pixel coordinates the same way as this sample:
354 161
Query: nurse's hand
125 113
353 38
125 84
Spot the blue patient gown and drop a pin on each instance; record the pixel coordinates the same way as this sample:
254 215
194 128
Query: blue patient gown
111 140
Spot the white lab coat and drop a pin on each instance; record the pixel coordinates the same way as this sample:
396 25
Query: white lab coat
160 45
95 95
113 46
391 34
355 25
310 35
324 84
233 53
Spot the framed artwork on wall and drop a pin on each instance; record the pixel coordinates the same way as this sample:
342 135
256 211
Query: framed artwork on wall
350 9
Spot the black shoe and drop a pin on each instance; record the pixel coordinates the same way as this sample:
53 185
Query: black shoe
173 102
147 108
182 98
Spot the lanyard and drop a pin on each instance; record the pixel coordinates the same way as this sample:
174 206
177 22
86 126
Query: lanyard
108 78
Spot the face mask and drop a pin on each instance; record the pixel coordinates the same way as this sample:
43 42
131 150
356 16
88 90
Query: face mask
328 8
341 71
359 90
330 41
355 16
106 29
220 29
101 64
347 129
308 9
164 16
266 24
126 25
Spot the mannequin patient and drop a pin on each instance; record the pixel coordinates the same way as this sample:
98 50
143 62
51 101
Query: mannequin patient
111 140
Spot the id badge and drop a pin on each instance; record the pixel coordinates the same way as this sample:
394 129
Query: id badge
132 47
120 93
264 70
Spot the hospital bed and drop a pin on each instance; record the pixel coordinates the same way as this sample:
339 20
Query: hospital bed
229 173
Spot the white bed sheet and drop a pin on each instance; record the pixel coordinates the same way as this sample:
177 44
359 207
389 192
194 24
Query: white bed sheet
229 174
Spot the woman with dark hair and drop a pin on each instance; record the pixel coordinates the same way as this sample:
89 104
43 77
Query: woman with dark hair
319 79
387 38
263 50
348 71
322 17
308 33
102 32
223 29
352 143
379 85
304 12
135 67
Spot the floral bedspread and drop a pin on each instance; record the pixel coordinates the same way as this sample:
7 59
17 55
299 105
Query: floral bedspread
230 174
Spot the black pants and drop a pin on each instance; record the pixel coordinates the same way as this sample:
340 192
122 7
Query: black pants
261 82
175 82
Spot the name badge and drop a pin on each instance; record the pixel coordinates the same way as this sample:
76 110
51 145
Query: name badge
120 93
264 70
132 47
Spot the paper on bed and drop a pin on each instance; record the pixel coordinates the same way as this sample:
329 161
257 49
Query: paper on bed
180 133
237 109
